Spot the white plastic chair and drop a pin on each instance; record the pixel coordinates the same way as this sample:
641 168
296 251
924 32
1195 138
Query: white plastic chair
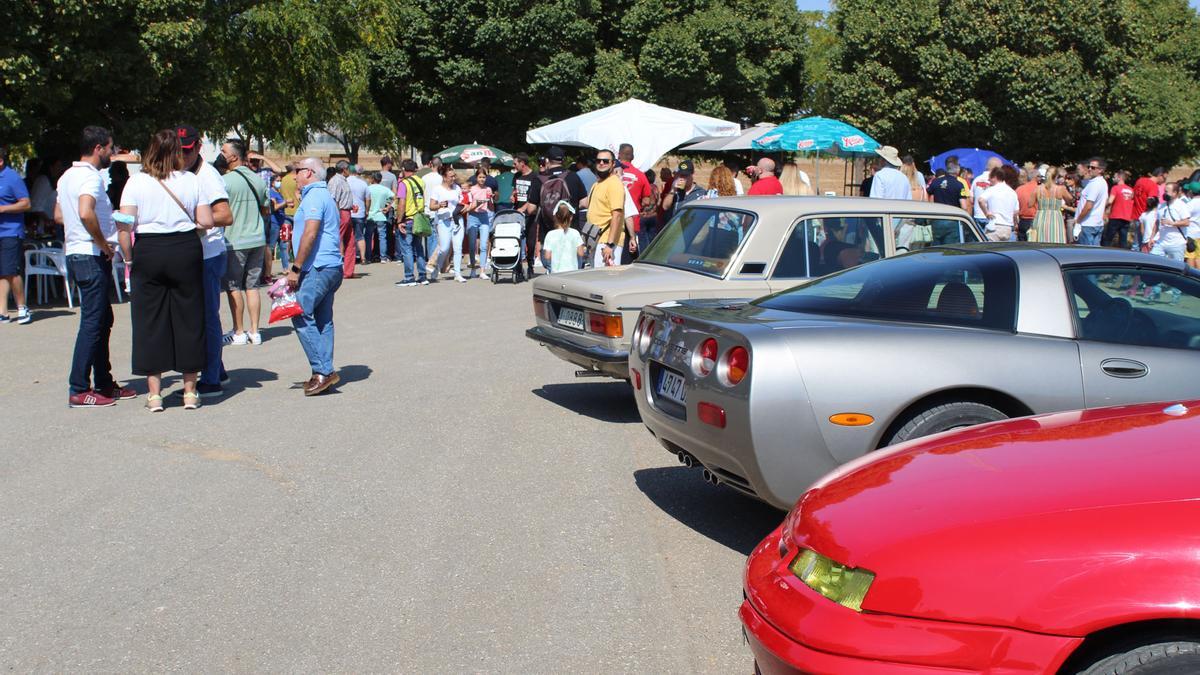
47 262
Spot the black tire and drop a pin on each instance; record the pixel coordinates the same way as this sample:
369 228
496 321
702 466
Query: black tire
944 417
1159 658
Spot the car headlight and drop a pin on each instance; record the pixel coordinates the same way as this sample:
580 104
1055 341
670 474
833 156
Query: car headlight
844 585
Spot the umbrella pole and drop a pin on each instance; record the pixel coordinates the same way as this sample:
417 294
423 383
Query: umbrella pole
817 170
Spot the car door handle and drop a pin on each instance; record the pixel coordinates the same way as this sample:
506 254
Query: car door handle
1124 368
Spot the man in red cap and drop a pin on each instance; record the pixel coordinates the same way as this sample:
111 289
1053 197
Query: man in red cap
212 191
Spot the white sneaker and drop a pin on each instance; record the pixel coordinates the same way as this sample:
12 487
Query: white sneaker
425 282
255 338
459 278
430 269
23 315
236 338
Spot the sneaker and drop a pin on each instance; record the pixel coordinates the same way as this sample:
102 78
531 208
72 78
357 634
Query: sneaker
459 278
209 390
117 392
90 399
255 338
232 338
405 284
424 282
4 318
23 315
430 269
319 383
191 400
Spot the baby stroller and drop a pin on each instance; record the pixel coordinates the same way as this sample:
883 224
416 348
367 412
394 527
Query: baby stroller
508 227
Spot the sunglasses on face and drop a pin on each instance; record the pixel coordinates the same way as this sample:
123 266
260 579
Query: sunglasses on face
1094 168
603 161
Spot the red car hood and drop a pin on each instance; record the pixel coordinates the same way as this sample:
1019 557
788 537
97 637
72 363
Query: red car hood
1057 523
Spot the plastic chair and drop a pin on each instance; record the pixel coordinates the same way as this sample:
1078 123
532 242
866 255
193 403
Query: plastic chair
47 262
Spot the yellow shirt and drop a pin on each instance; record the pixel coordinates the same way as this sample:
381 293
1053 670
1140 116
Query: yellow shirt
607 196
288 189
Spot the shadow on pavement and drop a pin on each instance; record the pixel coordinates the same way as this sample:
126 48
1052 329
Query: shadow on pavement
273 332
604 401
241 379
719 513
351 374
42 314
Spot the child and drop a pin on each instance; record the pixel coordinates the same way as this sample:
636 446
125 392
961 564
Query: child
563 245
1149 222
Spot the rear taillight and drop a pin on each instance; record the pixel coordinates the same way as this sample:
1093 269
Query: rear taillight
608 325
736 365
704 358
647 335
711 414
636 376
540 309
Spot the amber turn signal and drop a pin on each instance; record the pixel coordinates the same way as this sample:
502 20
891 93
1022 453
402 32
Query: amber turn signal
851 419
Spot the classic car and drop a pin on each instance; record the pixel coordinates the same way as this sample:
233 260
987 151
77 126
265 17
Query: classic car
769 395
1064 543
740 247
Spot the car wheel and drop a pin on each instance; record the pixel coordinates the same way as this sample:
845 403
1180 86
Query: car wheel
1160 658
945 417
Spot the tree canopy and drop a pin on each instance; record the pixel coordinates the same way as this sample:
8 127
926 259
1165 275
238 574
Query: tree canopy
1035 79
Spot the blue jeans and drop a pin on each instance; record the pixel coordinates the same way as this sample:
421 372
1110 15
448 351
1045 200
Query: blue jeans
479 226
1089 236
411 248
90 364
214 272
315 326
451 235
431 248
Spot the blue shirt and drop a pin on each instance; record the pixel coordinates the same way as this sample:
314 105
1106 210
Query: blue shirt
276 214
12 190
317 204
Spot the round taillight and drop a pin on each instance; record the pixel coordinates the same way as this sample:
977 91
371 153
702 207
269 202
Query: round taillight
704 358
644 340
737 364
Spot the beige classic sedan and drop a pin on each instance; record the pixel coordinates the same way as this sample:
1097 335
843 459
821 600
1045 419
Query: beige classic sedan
729 247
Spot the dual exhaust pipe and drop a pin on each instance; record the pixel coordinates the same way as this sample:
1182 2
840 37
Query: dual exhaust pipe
689 461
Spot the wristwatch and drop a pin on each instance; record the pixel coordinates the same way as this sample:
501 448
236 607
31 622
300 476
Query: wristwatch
295 269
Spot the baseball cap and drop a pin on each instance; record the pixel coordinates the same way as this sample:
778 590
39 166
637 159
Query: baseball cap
555 153
188 136
685 168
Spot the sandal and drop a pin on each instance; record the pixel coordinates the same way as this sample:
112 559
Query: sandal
191 400
154 403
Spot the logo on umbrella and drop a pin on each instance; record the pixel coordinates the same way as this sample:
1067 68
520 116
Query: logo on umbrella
769 139
805 144
476 154
852 141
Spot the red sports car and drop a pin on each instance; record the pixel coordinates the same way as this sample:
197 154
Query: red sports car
1065 543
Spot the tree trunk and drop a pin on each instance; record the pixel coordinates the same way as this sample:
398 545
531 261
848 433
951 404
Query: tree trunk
352 150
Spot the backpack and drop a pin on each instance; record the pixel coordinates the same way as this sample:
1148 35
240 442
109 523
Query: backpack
554 190
414 198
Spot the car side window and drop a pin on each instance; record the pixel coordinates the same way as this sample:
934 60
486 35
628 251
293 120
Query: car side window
1132 306
797 251
916 233
835 243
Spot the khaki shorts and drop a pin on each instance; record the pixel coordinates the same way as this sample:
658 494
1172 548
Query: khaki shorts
244 268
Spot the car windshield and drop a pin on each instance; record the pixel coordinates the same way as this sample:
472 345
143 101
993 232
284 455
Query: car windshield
700 239
977 289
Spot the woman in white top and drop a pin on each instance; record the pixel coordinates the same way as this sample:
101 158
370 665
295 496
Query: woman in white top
167 263
1000 204
444 202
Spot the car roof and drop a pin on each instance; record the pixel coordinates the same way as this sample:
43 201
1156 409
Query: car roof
793 207
1068 254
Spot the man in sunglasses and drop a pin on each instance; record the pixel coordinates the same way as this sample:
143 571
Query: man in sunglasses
606 211
1089 215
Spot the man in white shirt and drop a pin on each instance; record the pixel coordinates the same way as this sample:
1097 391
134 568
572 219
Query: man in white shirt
979 184
888 182
86 214
213 193
1089 215
431 181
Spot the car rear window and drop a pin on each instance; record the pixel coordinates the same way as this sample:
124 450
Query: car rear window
700 239
975 289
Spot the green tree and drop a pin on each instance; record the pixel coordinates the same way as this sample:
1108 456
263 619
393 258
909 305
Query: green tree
488 71
927 75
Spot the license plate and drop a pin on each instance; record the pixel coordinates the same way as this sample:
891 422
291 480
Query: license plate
670 386
571 318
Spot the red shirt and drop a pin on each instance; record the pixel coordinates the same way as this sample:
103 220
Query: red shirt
639 188
1122 206
1027 200
1143 189
768 185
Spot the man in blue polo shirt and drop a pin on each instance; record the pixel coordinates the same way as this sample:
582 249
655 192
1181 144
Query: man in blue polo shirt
316 272
14 202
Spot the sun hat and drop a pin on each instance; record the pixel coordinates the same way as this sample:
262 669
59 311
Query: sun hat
889 153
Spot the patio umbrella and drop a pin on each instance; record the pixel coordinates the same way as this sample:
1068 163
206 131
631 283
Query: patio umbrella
473 152
651 129
975 159
817 135
730 143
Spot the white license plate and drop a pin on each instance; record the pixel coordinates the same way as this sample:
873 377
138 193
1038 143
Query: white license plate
571 318
670 386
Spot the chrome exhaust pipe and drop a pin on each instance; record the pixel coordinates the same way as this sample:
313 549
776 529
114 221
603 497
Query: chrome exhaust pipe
711 477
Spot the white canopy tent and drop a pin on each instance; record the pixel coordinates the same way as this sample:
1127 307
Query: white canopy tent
730 143
652 130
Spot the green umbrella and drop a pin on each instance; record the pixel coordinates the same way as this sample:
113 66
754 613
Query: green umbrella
471 153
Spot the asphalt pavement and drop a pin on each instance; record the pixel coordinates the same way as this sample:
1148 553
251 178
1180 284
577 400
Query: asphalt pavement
461 503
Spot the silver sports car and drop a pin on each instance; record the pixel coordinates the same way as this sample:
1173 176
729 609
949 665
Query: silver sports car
768 396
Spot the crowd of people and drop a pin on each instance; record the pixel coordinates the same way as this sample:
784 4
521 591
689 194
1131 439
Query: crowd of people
186 230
